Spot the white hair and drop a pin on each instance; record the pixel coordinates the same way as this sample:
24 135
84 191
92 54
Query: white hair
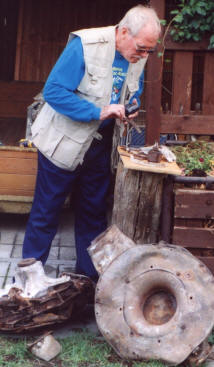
139 17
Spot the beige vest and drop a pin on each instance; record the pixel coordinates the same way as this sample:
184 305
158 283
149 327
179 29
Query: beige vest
63 140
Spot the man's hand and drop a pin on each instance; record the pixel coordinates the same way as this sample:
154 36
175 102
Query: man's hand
113 111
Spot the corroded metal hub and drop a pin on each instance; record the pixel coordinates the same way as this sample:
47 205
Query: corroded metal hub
153 301
159 306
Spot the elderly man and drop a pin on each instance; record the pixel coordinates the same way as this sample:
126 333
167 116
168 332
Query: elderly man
99 71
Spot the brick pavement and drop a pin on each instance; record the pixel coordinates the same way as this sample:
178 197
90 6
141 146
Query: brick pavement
12 228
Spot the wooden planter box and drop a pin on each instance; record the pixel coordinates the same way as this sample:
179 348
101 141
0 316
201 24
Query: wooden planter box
18 167
193 226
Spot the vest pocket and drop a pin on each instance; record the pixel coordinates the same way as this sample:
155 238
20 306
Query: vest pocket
94 82
69 152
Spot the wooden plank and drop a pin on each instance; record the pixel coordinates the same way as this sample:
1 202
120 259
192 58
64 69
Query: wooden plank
15 97
186 222
167 211
193 237
22 166
162 167
19 38
13 152
154 86
19 91
186 46
187 124
182 82
12 130
194 204
8 31
208 94
15 204
17 184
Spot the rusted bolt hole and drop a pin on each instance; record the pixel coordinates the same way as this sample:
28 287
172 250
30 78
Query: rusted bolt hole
159 306
120 308
151 266
191 297
159 341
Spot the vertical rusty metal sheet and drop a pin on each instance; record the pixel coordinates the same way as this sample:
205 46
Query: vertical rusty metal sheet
182 82
208 95
153 87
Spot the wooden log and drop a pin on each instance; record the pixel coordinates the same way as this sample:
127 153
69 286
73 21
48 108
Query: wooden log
137 204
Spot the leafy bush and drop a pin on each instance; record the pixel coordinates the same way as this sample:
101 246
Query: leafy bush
196 158
193 20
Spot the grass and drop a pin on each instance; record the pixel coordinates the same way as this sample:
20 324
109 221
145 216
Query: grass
82 349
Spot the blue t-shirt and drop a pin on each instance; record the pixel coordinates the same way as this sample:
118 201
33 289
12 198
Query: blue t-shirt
66 75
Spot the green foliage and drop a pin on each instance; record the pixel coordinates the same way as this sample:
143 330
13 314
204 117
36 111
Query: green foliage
193 20
82 349
195 156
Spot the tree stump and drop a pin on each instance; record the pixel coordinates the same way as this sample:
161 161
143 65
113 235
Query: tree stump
137 203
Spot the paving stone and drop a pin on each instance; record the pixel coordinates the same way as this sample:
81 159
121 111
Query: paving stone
67 237
20 237
68 253
54 253
55 242
51 270
17 251
7 237
12 269
4 268
5 251
67 268
8 282
2 279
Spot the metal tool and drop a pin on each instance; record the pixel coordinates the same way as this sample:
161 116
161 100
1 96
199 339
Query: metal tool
129 110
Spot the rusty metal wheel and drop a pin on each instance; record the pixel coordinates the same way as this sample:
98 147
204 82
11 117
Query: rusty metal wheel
155 302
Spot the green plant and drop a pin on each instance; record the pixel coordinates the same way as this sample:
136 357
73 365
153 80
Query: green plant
195 158
193 20
82 349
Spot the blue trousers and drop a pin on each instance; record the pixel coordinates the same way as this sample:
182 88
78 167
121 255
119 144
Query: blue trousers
89 184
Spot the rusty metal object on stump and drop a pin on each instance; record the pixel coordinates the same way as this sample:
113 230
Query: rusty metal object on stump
35 300
154 301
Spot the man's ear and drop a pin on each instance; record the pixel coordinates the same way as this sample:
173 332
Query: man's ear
124 32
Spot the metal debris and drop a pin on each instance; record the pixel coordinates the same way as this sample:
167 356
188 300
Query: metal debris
46 347
152 301
35 300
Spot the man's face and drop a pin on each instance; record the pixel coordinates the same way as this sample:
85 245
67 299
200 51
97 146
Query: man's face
133 48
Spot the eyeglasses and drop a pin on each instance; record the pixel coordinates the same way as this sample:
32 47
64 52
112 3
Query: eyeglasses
144 49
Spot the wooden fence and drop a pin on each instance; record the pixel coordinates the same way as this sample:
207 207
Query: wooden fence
180 100
189 106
